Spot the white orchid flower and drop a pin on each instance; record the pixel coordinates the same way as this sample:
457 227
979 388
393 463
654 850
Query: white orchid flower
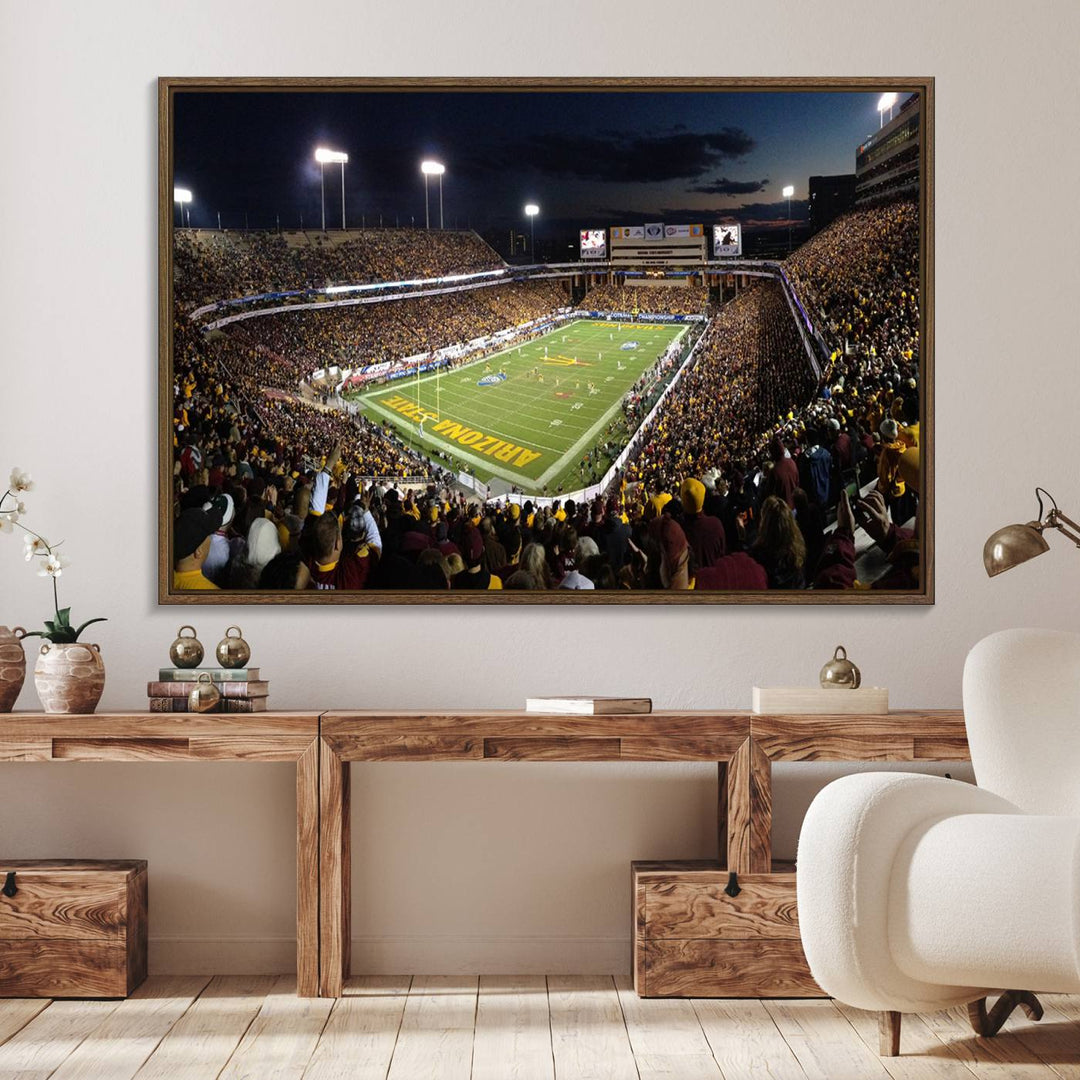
34 545
7 520
53 566
20 481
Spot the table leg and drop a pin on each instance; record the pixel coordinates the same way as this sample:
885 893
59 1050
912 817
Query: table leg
334 872
749 810
307 871
722 813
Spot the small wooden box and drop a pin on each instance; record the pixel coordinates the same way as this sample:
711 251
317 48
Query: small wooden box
691 939
72 928
818 701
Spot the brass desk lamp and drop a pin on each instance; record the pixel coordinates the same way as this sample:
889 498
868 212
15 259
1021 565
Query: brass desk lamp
1014 544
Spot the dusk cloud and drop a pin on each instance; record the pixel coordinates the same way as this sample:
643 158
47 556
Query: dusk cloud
724 186
621 156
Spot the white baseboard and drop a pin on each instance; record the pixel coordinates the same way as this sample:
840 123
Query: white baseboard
430 954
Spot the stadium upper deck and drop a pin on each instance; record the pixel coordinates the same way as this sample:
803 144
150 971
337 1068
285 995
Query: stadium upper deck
211 266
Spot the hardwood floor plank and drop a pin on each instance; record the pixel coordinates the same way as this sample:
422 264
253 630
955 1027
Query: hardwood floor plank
513 1029
745 1042
435 1041
16 1013
588 1033
825 1044
665 1036
1004 1057
204 1038
117 1048
1055 1038
923 1056
280 1041
359 1039
40 1048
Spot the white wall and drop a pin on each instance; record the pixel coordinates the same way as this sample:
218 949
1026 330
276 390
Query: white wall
494 867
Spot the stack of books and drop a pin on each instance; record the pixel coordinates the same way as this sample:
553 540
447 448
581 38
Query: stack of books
241 689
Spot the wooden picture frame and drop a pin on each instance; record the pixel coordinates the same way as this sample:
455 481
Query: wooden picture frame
170 88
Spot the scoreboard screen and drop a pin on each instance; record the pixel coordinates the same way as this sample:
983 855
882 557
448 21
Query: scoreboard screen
593 244
727 240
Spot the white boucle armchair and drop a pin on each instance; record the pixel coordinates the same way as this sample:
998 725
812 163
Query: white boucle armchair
917 893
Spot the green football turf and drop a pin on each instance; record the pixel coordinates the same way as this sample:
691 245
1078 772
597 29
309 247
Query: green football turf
533 434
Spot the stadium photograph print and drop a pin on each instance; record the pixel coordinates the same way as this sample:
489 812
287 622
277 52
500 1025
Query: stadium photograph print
546 341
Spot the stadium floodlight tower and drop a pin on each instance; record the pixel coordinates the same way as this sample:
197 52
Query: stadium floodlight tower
182 197
885 104
322 156
531 210
787 193
432 168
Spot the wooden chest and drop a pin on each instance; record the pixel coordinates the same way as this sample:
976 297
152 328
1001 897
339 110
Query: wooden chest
693 939
70 928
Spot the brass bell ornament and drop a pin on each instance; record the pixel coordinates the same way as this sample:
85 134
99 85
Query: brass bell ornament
233 652
204 695
186 651
840 673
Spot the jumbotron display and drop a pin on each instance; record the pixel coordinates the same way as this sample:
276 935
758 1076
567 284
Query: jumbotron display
727 240
387 377
593 244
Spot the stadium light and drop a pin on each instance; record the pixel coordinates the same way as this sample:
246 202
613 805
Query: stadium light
531 210
885 103
787 193
334 157
432 168
181 196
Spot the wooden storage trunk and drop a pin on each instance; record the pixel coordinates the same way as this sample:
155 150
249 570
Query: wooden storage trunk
691 939
72 928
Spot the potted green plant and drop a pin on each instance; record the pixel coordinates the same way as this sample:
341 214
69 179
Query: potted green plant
69 674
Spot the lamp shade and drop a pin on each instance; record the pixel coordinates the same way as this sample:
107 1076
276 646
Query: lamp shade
1012 545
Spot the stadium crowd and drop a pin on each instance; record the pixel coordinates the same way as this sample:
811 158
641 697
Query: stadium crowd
654 299
753 475
366 334
326 530
210 265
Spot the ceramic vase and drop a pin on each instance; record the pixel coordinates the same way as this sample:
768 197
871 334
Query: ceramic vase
12 666
69 678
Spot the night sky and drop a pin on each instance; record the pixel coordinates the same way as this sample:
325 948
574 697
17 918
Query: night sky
588 159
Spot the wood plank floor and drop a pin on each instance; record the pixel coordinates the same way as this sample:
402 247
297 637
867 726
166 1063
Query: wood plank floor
525 1027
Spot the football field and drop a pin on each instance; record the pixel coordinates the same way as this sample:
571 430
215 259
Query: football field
531 413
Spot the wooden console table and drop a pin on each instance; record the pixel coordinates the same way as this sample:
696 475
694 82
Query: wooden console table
261 737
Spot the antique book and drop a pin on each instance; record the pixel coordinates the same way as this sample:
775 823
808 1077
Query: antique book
225 689
243 705
588 706
218 674
229 705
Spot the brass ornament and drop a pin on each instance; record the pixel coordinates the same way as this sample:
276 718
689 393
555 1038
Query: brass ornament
840 673
204 695
186 652
233 652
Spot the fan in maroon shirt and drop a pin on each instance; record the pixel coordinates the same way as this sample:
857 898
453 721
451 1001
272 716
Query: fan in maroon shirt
331 567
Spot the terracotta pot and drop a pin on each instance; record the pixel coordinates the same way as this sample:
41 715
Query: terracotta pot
69 678
12 666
